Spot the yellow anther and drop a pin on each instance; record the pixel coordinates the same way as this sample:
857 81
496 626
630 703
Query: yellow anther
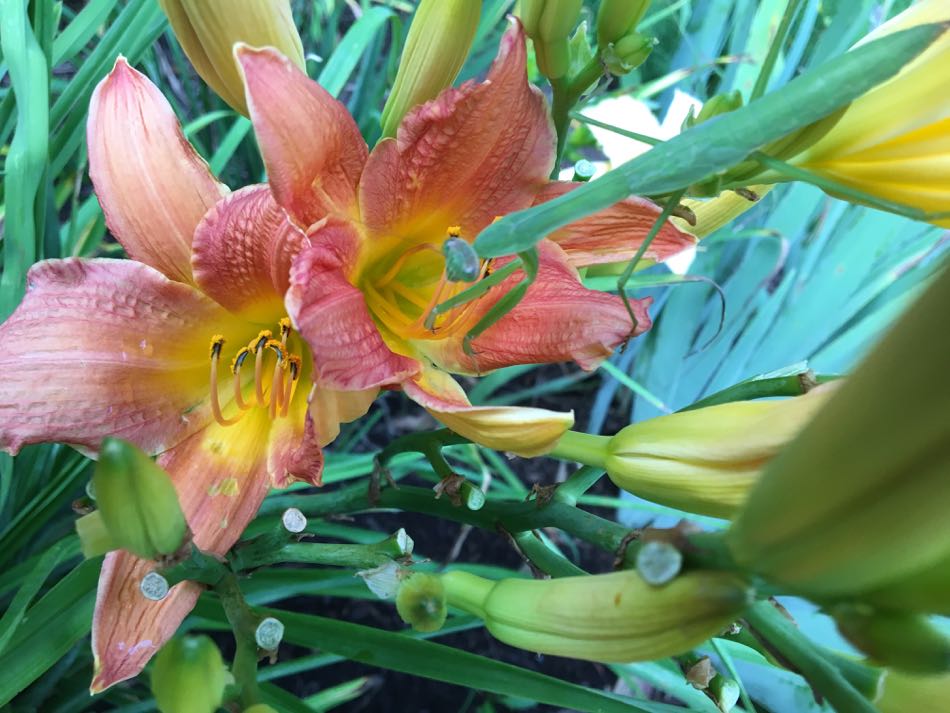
284 326
214 349
278 349
238 361
295 363
262 338
454 231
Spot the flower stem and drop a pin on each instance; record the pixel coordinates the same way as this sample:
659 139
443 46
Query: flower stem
781 634
564 95
243 623
579 482
583 448
334 555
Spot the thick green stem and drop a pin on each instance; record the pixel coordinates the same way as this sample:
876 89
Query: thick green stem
544 558
467 592
580 481
584 448
333 555
564 95
243 623
780 634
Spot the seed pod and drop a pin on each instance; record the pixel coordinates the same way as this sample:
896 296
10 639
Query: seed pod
189 676
137 501
616 18
859 501
899 640
461 260
439 40
614 617
421 602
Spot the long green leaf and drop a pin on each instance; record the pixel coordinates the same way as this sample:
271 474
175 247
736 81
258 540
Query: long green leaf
718 144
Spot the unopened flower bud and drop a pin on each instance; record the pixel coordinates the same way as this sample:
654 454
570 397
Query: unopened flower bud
439 40
209 29
902 692
614 617
716 105
628 53
703 461
94 538
900 640
189 676
137 501
549 24
421 602
616 18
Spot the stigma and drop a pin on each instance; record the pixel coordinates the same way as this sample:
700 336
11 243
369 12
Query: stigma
273 395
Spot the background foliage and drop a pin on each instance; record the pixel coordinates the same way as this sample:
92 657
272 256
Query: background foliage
805 278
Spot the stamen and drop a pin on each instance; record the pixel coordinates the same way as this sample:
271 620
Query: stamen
217 342
398 265
454 231
284 329
258 346
276 382
291 387
236 365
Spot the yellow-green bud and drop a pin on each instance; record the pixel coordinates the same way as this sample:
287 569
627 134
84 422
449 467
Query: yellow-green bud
439 40
926 591
627 53
714 106
189 676
209 29
616 18
420 602
859 501
706 460
549 24
899 640
94 538
614 617
137 501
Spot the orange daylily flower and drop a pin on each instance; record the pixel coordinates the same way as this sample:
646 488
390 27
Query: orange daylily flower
363 287
121 348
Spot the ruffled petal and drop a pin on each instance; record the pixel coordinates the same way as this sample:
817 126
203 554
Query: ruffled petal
242 253
349 352
523 431
471 154
312 148
152 185
557 320
615 233
106 348
294 452
221 477
330 408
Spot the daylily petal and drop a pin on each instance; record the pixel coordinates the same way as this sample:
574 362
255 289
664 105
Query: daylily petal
557 320
242 253
524 431
330 408
152 185
105 348
294 451
221 479
312 148
331 315
471 154
615 233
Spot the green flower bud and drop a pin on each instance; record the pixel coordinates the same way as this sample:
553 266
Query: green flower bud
616 617
714 106
627 53
189 676
439 40
549 24
94 538
421 602
899 640
857 506
137 501
616 18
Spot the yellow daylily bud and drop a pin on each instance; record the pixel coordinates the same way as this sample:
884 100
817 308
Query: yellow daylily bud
703 461
439 39
421 602
209 29
926 591
858 503
628 53
189 676
616 18
137 501
614 617
903 692
899 640
891 142
549 24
